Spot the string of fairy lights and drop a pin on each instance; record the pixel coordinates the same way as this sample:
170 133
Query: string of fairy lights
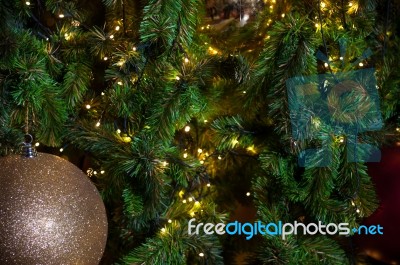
194 205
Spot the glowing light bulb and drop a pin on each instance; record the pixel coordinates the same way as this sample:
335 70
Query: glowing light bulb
248 194
202 162
186 60
323 4
350 4
358 210
105 58
326 64
111 36
190 199
117 28
165 163
361 64
61 16
341 58
37 144
162 230
283 15
185 155
119 83
88 106
219 157
98 124
199 150
102 93
184 201
134 49
177 78
208 185
201 254
187 128
27 3
61 150
102 172
169 221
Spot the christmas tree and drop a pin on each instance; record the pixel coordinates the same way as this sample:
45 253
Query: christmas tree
218 111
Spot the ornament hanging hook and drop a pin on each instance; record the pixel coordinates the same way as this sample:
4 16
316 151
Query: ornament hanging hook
27 150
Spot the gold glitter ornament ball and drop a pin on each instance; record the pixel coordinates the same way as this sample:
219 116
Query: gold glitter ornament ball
50 213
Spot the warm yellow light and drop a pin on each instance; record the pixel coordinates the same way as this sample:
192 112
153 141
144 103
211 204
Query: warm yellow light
326 64
177 78
134 49
163 230
251 149
119 83
248 194
187 128
398 129
283 15
169 221
61 150
117 28
165 163
316 25
190 199
185 155
350 4
27 3
105 58
201 254
323 4
98 124
88 106
358 210
61 15
200 150
102 172
341 58
197 203
181 193
208 185
186 60
184 201
361 64
205 121
118 131
111 36
219 157
202 162
37 144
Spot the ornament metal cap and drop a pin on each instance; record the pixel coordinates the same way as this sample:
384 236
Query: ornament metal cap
27 150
